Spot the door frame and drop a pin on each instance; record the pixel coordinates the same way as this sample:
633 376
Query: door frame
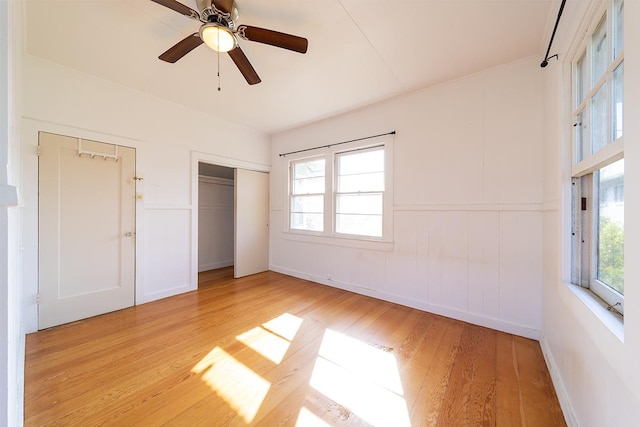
199 157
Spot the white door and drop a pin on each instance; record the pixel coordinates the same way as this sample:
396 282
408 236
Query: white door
251 222
86 229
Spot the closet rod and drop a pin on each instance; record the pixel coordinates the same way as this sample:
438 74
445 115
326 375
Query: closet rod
545 62
393 132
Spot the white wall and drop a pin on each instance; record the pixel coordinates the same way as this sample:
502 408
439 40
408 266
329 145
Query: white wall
11 325
468 201
215 223
168 138
596 373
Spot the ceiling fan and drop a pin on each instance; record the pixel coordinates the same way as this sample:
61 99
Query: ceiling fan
219 31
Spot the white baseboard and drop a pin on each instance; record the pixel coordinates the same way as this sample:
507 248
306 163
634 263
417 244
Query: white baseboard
476 319
214 265
558 384
165 293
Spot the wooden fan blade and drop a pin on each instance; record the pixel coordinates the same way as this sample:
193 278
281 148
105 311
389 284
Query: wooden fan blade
179 7
245 67
273 38
224 5
181 48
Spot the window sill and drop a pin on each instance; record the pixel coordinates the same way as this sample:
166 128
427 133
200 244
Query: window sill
347 242
611 319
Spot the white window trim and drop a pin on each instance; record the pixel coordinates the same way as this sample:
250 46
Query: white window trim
289 195
612 152
329 236
336 193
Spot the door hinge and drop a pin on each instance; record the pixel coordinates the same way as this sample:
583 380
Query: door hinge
38 151
38 298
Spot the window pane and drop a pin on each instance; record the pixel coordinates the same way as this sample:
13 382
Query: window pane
599 119
359 204
581 80
362 182
359 162
581 144
311 204
360 192
359 225
307 221
307 195
308 169
576 230
611 225
599 52
308 185
618 101
618 27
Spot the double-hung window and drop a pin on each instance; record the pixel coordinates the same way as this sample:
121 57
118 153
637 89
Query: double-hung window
307 194
597 231
342 193
360 192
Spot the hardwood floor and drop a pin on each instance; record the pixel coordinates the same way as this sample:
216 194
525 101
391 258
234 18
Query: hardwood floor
273 350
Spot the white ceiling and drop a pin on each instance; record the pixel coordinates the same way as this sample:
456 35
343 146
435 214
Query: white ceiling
360 51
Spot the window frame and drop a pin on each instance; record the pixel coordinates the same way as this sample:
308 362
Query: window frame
292 195
336 192
586 163
329 235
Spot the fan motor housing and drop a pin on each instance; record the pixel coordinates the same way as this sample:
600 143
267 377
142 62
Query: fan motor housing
209 13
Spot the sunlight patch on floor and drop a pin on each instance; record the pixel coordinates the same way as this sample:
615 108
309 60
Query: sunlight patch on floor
272 339
306 418
239 386
285 325
362 378
266 343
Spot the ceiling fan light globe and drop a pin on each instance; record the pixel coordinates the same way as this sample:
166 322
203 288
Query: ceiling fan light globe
218 37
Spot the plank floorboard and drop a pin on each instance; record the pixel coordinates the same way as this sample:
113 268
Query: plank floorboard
274 350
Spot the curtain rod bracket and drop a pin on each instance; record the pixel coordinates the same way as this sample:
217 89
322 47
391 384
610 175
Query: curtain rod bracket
546 61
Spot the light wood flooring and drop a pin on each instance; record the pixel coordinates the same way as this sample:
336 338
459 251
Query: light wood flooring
274 350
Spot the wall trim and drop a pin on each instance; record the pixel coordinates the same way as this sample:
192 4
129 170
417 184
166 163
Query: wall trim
215 265
481 207
476 319
558 384
165 293
198 156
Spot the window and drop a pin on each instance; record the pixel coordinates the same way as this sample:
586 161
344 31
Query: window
307 195
343 193
598 170
360 192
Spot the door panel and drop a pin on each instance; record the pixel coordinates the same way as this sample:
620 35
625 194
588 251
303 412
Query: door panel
251 222
86 229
